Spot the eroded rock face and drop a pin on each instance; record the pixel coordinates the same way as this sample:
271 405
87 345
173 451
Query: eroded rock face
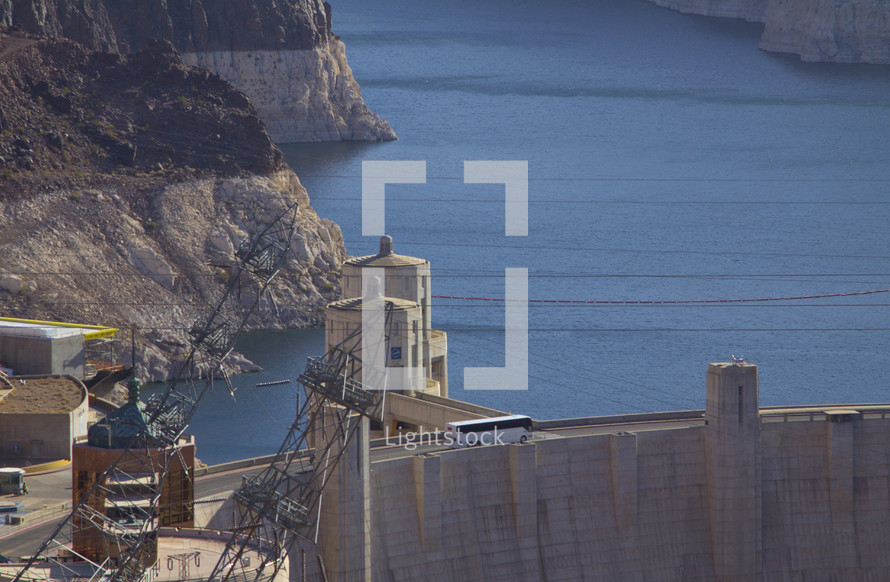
148 241
124 26
280 53
99 263
71 111
151 264
11 283
842 31
850 31
302 95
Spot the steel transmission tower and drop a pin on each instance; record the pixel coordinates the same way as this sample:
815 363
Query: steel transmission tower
122 532
283 502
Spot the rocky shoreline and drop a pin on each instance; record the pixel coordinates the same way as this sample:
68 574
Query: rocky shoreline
842 31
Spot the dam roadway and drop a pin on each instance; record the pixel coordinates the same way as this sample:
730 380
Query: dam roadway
50 492
733 492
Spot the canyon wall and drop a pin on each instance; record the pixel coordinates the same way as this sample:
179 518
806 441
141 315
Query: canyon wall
848 31
842 31
100 256
302 95
127 184
281 54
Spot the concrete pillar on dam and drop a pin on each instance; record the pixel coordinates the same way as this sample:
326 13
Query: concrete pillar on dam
732 448
427 479
841 459
625 484
524 494
345 519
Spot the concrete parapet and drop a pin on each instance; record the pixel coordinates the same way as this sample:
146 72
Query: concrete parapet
101 404
618 419
461 405
232 465
431 414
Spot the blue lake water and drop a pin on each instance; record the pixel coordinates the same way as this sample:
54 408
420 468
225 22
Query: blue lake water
668 159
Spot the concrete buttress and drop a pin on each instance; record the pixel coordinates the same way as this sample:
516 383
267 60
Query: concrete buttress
345 521
732 450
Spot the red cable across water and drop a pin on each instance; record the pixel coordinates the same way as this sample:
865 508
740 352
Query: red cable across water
665 301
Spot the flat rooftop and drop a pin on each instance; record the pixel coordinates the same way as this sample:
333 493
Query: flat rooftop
387 260
10 326
41 394
355 304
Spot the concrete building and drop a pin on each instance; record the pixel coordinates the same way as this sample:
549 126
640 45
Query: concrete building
126 496
176 551
40 416
406 285
30 347
345 316
731 493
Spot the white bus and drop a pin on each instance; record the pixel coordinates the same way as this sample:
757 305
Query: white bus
489 431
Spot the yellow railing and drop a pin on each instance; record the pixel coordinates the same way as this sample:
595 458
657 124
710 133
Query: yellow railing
100 331
51 466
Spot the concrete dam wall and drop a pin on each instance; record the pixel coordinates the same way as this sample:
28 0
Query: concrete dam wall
743 494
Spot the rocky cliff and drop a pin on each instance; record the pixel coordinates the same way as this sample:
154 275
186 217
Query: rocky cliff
302 95
752 10
842 31
280 53
127 183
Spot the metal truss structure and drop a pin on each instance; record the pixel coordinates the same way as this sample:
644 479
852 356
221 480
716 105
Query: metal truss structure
283 502
122 509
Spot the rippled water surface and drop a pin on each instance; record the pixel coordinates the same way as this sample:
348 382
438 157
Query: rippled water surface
669 159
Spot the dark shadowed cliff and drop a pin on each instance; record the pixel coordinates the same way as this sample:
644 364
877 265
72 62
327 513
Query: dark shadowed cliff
281 54
191 25
66 109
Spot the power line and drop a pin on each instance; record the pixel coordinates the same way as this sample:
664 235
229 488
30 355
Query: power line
665 329
501 329
563 248
490 274
681 305
564 369
532 178
662 301
549 201
559 384
461 274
